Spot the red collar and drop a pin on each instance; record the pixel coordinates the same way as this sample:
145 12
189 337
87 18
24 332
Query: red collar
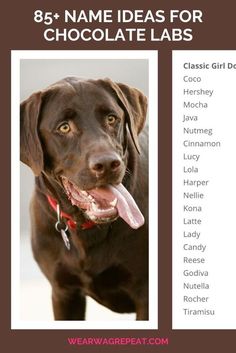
69 220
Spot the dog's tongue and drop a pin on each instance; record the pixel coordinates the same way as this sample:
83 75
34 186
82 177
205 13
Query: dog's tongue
126 206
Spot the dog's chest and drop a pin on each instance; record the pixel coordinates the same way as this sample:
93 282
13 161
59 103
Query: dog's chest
108 282
99 271
111 287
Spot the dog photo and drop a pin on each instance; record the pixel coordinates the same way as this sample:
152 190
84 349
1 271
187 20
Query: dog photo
85 142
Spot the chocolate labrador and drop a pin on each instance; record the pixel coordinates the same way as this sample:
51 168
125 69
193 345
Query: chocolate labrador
89 211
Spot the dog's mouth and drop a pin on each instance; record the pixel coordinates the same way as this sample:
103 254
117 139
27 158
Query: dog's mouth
105 204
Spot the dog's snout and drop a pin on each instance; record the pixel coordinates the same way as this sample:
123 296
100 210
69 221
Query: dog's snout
104 163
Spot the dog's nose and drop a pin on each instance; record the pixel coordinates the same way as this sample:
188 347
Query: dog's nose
104 163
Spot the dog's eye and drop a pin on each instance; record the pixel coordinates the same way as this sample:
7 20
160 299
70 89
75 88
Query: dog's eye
111 119
64 128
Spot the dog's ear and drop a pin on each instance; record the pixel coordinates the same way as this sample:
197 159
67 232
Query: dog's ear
31 152
134 104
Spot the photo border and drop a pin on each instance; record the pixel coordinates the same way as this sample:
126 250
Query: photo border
152 57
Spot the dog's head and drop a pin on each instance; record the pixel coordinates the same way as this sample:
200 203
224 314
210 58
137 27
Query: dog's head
78 131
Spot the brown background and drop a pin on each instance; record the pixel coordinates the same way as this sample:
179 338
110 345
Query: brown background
18 31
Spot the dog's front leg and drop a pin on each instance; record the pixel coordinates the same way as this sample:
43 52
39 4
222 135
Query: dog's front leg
142 311
68 304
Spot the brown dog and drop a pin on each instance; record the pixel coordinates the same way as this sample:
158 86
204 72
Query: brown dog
89 235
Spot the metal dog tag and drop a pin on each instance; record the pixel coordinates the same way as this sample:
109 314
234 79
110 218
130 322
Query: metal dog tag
65 239
62 231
